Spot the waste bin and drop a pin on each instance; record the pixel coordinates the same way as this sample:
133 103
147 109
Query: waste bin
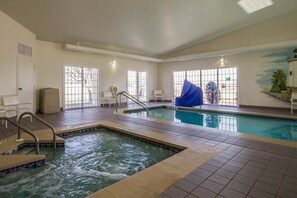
49 101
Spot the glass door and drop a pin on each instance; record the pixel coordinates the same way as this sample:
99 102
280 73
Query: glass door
137 85
80 87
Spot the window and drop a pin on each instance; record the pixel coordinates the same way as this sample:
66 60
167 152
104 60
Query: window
137 84
194 77
228 86
178 81
80 87
219 86
209 86
179 77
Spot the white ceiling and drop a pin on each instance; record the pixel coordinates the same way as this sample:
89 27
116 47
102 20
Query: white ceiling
148 27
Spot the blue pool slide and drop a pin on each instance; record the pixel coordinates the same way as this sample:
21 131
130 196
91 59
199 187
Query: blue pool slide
191 95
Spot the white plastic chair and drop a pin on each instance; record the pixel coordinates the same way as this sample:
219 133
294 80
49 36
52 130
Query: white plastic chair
107 95
293 101
158 94
12 104
2 114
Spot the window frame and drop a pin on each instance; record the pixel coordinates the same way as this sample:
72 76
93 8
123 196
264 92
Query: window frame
187 72
82 91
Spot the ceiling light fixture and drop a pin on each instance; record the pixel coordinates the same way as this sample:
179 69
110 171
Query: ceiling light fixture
251 6
222 62
113 63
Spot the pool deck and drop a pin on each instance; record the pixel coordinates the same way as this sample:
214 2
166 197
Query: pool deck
214 164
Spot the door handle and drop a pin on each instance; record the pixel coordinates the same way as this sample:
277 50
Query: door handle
20 89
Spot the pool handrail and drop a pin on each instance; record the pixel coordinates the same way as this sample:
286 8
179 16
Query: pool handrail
127 95
25 130
40 120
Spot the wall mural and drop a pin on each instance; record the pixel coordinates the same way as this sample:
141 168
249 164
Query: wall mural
274 81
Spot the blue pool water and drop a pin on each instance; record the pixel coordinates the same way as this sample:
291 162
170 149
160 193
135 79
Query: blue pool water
88 163
261 126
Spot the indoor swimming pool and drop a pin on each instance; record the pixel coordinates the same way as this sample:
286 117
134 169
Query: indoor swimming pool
279 128
88 162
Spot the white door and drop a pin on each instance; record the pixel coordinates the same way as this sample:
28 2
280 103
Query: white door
26 82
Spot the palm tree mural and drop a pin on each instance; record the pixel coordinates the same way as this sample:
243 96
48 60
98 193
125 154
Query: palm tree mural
278 81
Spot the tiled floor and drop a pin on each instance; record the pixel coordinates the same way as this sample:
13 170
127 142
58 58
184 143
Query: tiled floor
245 168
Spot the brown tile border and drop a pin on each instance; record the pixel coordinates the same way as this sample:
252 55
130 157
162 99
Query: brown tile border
152 181
231 133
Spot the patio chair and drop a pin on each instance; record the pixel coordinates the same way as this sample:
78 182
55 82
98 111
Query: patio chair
2 114
107 95
12 104
158 94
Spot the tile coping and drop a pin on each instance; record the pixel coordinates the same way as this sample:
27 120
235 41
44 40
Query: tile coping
191 155
270 115
231 133
182 163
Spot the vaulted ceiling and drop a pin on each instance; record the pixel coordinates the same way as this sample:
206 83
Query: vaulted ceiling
148 27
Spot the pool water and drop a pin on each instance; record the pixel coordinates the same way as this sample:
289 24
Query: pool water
284 129
86 164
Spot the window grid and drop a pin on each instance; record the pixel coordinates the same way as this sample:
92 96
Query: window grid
137 84
193 76
225 79
208 75
228 86
178 81
90 87
132 83
80 87
142 90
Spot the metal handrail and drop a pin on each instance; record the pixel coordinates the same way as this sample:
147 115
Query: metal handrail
133 99
40 120
26 130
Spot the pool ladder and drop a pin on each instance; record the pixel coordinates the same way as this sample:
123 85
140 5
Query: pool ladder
18 125
25 130
40 120
127 95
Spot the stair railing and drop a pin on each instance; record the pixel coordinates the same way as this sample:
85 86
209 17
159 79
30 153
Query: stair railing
127 95
25 130
40 120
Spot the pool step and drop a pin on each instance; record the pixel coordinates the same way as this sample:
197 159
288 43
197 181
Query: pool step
26 151
13 163
45 137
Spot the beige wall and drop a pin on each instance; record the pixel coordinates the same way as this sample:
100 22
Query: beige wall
51 57
11 33
281 28
250 66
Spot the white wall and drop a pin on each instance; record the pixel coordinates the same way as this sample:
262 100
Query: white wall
11 33
250 66
51 57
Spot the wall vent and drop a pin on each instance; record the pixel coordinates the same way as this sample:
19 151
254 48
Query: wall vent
24 50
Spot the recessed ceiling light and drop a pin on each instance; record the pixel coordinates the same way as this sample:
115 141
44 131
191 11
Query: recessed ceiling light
253 5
